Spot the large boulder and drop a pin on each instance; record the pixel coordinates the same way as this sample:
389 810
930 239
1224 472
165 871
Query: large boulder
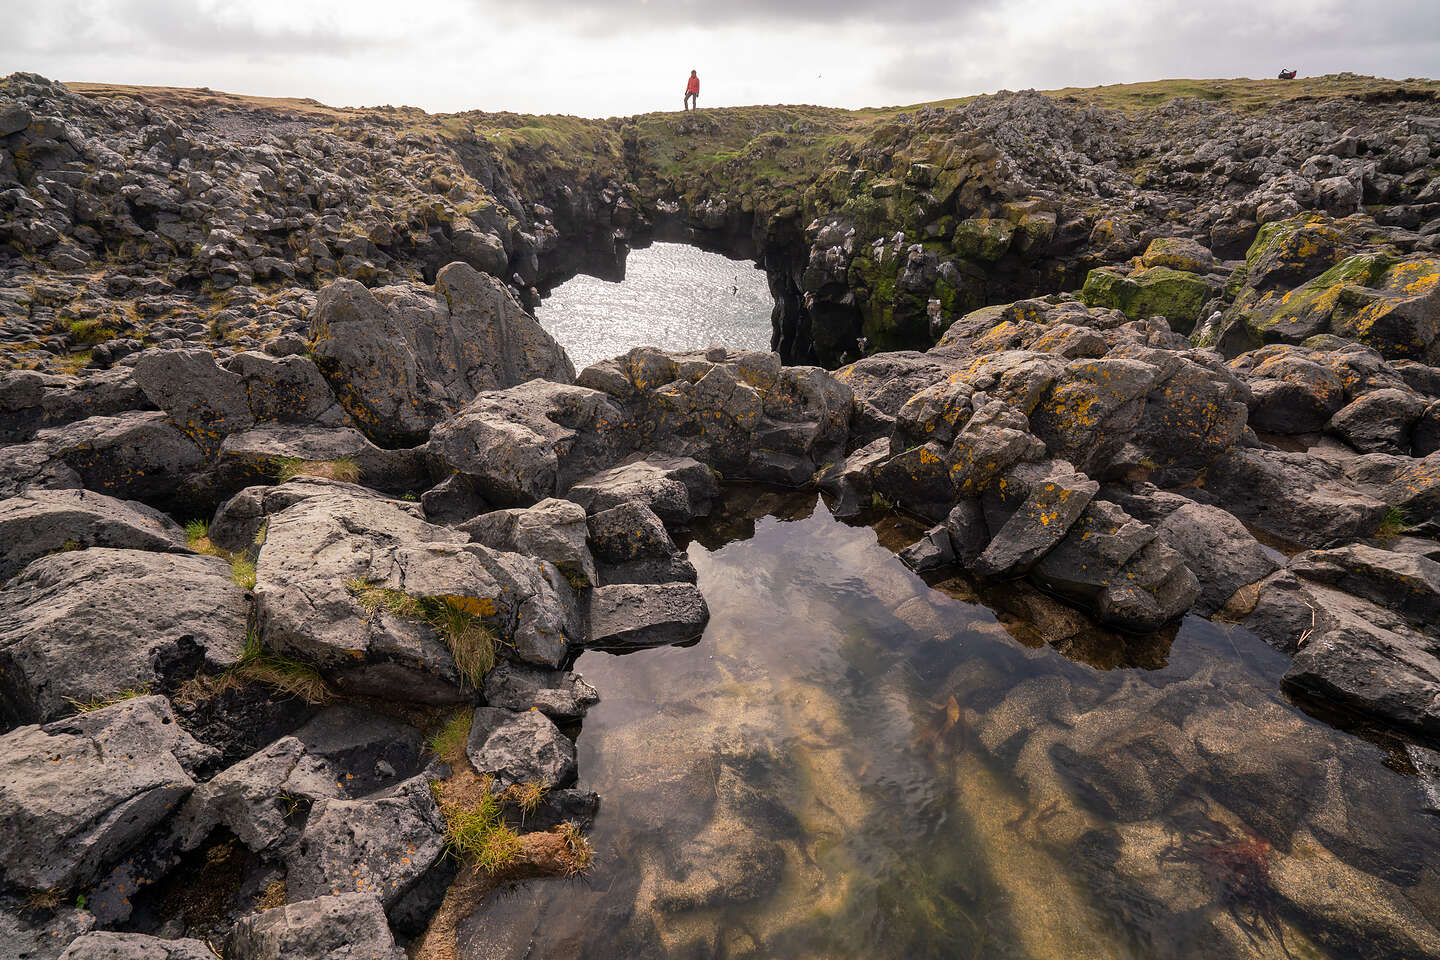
1040 521
400 359
205 400
137 455
678 489
323 554
31 401
344 753
108 945
77 794
553 530
630 531
559 694
39 522
211 399
740 412
93 623
240 520
347 926
629 616
518 748
1368 659
257 455
527 443
1381 421
1116 567
1176 295
1217 548
1298 498
383 844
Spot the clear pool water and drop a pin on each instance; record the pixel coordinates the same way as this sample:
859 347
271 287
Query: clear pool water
854 762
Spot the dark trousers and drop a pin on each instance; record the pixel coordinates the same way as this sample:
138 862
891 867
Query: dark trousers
692 99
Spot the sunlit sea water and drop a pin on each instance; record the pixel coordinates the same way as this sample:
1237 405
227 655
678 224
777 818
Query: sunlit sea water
675 296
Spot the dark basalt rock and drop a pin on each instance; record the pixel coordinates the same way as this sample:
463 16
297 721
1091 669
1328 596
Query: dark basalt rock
630 616
558 694
39 522
677 489
382 844
105 945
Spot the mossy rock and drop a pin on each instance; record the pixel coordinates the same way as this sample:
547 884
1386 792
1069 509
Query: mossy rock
1178 253
1154 291
1401 317
888 187
1287 252
1311 308
983 239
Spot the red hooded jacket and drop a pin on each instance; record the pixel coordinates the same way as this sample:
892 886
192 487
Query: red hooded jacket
693 86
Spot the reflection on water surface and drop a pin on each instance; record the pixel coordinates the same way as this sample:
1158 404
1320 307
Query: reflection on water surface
853 763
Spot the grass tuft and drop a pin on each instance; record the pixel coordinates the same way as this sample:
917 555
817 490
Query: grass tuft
475 827
582 853
344 469
73 363
242 571
197 538
43 901
95 703
1395 522
262 665
448 742
91 331
527 796
469 640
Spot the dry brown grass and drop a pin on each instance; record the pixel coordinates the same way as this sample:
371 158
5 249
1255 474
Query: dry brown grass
492 854
344 469
274 896
540 855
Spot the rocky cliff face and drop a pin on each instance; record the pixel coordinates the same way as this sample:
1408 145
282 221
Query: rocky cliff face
136 214
1149 360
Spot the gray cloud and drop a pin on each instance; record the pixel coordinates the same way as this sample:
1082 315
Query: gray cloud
608 57
1174 38
145 28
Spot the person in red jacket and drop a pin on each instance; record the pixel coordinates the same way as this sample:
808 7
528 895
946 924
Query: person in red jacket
692 91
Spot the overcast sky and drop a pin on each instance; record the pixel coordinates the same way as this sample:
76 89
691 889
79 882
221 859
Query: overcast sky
616 57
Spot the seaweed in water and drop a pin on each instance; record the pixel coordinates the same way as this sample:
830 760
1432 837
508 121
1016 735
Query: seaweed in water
944 729
1237 866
